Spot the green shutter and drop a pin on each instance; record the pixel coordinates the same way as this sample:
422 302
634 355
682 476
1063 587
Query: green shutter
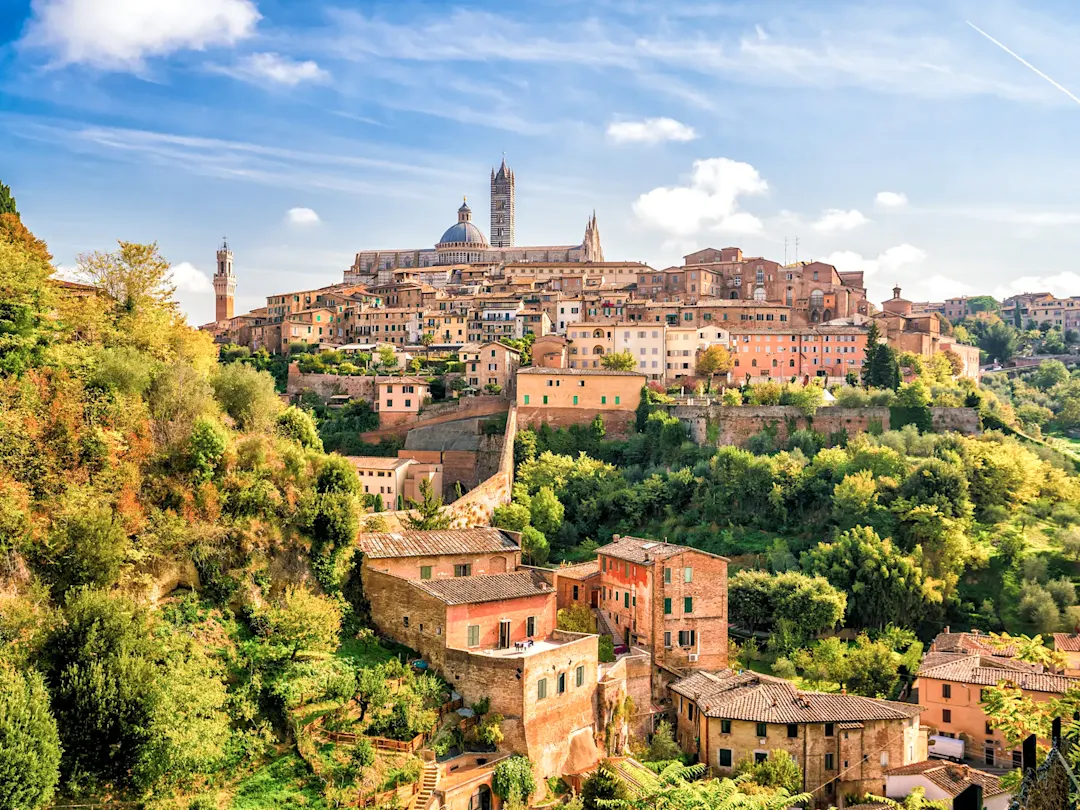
616 400
603 400
667 605
575 399
688 604
526 399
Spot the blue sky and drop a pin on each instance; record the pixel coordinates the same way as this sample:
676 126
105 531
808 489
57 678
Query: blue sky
888 136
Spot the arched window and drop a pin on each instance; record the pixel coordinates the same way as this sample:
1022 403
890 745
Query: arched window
760 276
598 350
817 299
599 333
787 296
734 295
759 293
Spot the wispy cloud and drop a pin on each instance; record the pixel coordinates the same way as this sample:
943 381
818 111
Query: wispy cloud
890 260
709 201
836 219
189 279
1062 284
122 34
650 131
273 67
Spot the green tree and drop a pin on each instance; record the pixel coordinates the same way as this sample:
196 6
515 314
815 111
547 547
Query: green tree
619 361
427 514
998 341
89 547
513 517
24 301
7 202
1048 374
29 742
247 395
299 426
304 622
778 770
808 604
873 343
883 584
662 746
534 546
884 370
137 277
371 691
575 618
546 511
513 781
387 358
206 448
603 785
337 475
714 360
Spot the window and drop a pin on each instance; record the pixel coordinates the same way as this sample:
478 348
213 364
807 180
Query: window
626 599
541 689
617 400
687 638
830 762
405 621
530 626
579 676
575 593
829 729
545 399
526 399
425 572
884 759
688 574
474 635
725 758
725 726
462 570
667 639
667 576
761 730
575 399
561 683
946 715
759 757
603 400
688 604
667 605
946 690
989 728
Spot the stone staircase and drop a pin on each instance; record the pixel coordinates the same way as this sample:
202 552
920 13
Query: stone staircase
429 780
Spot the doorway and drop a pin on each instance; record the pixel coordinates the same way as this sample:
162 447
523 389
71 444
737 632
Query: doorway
504 634
481 799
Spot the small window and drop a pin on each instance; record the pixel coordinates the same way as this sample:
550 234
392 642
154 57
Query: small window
626 599
759 757
545 399
667 639
667 605
474 635
541 689
989 728
405 621
830 762
425 572
946 690
616 400
946 715
526 399
575 593
603 400
884 759
463 570
830 729
688 574
579 676
762 730
530 626
688 604
575 399
725 726
667 576
561 683
792 729
725 758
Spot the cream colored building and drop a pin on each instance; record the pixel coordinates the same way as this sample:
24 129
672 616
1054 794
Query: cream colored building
684 343
589 342
394 478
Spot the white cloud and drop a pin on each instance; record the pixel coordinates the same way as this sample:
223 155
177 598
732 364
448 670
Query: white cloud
889 261
302 216
276 68
121 34
711 200
189 279
836 219
891 199
1061 284
651 130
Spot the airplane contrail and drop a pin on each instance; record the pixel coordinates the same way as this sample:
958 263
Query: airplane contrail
1025 63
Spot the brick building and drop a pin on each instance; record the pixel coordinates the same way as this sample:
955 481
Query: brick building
441 554
844 744
952 677
946 782
829 352
490 363
551 351
579 584
669 599
1069 645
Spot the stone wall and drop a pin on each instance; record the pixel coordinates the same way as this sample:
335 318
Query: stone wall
327 385
618 423
734 425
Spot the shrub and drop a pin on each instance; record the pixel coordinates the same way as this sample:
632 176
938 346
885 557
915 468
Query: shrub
299 426
122 369
30 765
513 781
337 474
606 649
247 395
206 448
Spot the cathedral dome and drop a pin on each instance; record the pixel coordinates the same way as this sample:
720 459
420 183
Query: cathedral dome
463 231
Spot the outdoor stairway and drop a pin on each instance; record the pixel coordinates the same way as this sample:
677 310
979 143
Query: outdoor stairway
429 780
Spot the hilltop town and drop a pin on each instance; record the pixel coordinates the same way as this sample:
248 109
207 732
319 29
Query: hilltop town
484 525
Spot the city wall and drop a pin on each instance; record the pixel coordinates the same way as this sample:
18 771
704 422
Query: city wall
617 423
734 425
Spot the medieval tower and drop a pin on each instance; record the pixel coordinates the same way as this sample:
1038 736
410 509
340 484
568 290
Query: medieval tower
224 283
502 206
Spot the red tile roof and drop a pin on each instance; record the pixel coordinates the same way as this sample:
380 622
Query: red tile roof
645 552
985 670
1067 642
383 545
580 571
490 588
950 777
969 643
765 699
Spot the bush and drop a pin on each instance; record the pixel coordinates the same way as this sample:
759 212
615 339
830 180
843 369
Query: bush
30 764
299 426
206 448
338 475
124 370
513 781
662 746
606 647
247 395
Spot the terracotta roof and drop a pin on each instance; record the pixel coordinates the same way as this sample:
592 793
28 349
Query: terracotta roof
580 571
490 588
969 643
378 462
581 372
1067 642
644 552
985 670
950 777
382 545
404 381
765 699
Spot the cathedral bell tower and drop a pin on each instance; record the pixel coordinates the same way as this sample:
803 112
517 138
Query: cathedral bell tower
502 206
224 283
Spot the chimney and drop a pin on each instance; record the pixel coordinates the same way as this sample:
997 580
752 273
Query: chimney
974 631
615 538
946 628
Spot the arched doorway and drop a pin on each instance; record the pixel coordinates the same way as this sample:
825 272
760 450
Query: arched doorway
481 799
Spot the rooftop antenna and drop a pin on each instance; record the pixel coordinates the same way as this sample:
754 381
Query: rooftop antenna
796 250
785 251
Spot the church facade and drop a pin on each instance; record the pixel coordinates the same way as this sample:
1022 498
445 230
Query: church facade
464 243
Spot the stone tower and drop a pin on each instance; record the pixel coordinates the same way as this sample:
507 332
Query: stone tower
591 250
502 206
224 283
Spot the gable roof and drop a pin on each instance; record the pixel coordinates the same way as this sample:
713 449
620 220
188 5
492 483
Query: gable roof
1067 642
765 699
985 670
386 545
378 462
969 643
952 778
490 588
642 551
580 571
579 372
